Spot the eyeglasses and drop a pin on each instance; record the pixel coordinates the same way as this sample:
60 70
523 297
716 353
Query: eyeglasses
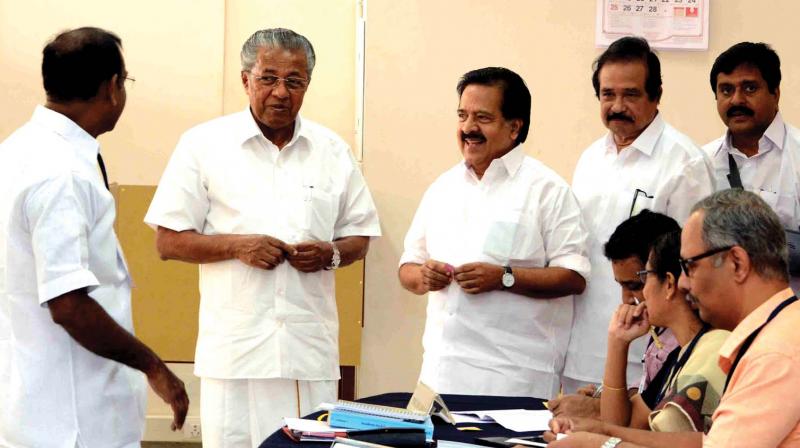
130 78
643 275
291 83
688 263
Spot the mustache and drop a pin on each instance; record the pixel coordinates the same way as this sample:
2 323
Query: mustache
739 110
619 116
472 135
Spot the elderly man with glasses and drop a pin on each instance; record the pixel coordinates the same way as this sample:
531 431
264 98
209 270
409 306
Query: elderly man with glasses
269 204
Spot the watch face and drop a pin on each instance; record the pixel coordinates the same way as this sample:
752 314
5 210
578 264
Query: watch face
508 279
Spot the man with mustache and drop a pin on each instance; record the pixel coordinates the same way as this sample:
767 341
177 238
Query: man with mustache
759 152
642 162
268 203
498 245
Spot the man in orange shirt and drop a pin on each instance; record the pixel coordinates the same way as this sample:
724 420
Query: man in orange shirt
734 255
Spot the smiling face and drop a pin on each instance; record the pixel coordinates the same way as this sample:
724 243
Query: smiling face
276 107
744 101
625 107
483 133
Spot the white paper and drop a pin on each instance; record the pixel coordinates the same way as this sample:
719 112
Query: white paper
518 420
308 425
526 442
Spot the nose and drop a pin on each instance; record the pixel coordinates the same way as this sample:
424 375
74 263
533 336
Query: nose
738 97
684 283
618 105
628 296
469 124
280 89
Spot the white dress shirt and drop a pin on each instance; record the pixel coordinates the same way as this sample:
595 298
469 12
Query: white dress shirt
673 174
520 214
773 173
225 177
57 218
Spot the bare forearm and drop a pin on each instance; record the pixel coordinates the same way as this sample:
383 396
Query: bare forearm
655 439
615 406
410 275
547 283
193 247
352 249
89 324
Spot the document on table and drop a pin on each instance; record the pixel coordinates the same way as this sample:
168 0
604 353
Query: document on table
519 420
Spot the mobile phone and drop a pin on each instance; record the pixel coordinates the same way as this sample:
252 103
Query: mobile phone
506 442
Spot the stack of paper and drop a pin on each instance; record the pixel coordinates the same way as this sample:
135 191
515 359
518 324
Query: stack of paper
304 430
519 420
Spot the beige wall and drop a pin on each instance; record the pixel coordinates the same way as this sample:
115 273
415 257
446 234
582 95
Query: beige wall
184 56
417 49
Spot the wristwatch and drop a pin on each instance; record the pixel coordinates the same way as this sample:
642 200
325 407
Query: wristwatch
508 277
611 442
336 258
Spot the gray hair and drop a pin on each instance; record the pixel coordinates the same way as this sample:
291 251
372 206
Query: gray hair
276 38
736 217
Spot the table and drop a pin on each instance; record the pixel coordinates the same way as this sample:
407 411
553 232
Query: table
442 430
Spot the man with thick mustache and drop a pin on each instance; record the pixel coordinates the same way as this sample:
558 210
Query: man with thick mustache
269 203
642 162
499 247
759 152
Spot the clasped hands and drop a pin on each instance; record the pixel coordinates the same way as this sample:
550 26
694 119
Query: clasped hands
266 252
473 278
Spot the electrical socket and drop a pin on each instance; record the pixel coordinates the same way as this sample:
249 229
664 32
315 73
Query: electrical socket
192 428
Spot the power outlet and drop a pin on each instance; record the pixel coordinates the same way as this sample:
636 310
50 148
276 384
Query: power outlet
192 429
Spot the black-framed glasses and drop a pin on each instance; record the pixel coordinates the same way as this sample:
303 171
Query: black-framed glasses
687 263
130 78
643 275
291 83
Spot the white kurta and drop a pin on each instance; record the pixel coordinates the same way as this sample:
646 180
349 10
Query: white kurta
225 177
57 236
773 173
520 214
666 166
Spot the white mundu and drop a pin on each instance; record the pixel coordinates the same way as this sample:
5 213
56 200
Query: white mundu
666 173
520 214
773 173
57 218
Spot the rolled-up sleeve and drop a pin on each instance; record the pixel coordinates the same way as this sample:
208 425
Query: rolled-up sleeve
415 248
58 216
181 199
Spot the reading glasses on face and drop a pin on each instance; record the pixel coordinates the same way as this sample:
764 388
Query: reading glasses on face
687 263
642 275
291 83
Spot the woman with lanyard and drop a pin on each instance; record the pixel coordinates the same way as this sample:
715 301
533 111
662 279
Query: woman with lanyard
692 382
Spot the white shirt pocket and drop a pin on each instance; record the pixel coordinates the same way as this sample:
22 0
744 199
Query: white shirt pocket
320 214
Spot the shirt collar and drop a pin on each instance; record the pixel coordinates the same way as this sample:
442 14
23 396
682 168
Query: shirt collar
774 136
747 326
646 141
510 162
249 128
87 146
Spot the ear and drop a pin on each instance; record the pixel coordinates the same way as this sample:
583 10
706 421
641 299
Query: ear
741 264
516 125
113 90
777 94
671 284
245 80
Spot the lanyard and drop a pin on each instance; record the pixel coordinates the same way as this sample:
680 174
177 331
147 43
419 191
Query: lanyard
678 366
752 337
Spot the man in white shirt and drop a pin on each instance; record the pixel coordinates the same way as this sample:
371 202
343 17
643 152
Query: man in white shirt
268 203
759 152
642 162
498 245
67 352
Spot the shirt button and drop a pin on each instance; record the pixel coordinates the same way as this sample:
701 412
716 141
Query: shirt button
280 291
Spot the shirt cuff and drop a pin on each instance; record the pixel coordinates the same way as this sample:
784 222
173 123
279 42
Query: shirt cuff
66 283
412 257
169 223
577 263
369 231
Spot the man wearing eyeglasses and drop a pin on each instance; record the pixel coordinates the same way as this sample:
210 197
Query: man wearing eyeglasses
268 203
759 151
734 256
67 349
642 162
